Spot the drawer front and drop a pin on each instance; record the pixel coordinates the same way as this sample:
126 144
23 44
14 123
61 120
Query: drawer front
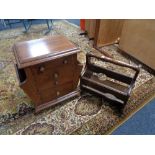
47 95
64 89
50 94
45 67
46 75
54 77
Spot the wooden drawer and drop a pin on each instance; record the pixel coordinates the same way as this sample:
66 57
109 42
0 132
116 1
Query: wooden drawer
56 92
46 66
54 77
64 89
47 95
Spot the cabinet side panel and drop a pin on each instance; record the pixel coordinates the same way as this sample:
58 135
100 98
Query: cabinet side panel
109 31
30 88
91 25
138 40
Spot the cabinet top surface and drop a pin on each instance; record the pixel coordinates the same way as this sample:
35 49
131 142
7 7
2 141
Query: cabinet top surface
36 50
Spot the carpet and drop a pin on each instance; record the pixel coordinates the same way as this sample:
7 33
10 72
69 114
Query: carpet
87 114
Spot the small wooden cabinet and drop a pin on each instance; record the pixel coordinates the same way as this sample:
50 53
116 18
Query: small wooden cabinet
48 70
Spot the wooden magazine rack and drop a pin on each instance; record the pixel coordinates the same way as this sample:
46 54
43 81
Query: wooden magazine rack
108 89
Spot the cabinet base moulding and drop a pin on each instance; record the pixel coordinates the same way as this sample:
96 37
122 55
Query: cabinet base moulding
73 94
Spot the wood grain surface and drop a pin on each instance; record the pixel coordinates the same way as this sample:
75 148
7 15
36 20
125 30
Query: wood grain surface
48 70
138 40
107 31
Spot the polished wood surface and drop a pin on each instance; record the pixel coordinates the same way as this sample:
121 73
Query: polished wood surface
104 31
90 27
70 95
28 52
50 82
138 40
108 31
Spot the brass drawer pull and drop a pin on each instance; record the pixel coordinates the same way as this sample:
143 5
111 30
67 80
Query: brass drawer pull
41 69
65 61
56 75
58 93
56 82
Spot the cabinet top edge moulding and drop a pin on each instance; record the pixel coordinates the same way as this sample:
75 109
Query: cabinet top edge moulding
28 53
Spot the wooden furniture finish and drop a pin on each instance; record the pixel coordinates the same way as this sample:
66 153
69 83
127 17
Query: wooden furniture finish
107 32
90 27
48 70
137 39
103 31
108 89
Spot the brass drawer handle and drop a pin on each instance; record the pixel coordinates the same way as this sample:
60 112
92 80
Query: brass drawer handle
65 61
56 82
58 93
41 69
56 75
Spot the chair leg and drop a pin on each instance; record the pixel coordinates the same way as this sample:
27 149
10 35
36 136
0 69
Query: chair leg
3 23
49 23
26 27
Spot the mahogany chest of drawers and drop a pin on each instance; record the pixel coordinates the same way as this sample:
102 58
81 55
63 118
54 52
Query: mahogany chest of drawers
48 70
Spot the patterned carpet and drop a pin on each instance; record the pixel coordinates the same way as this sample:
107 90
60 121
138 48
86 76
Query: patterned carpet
87 114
